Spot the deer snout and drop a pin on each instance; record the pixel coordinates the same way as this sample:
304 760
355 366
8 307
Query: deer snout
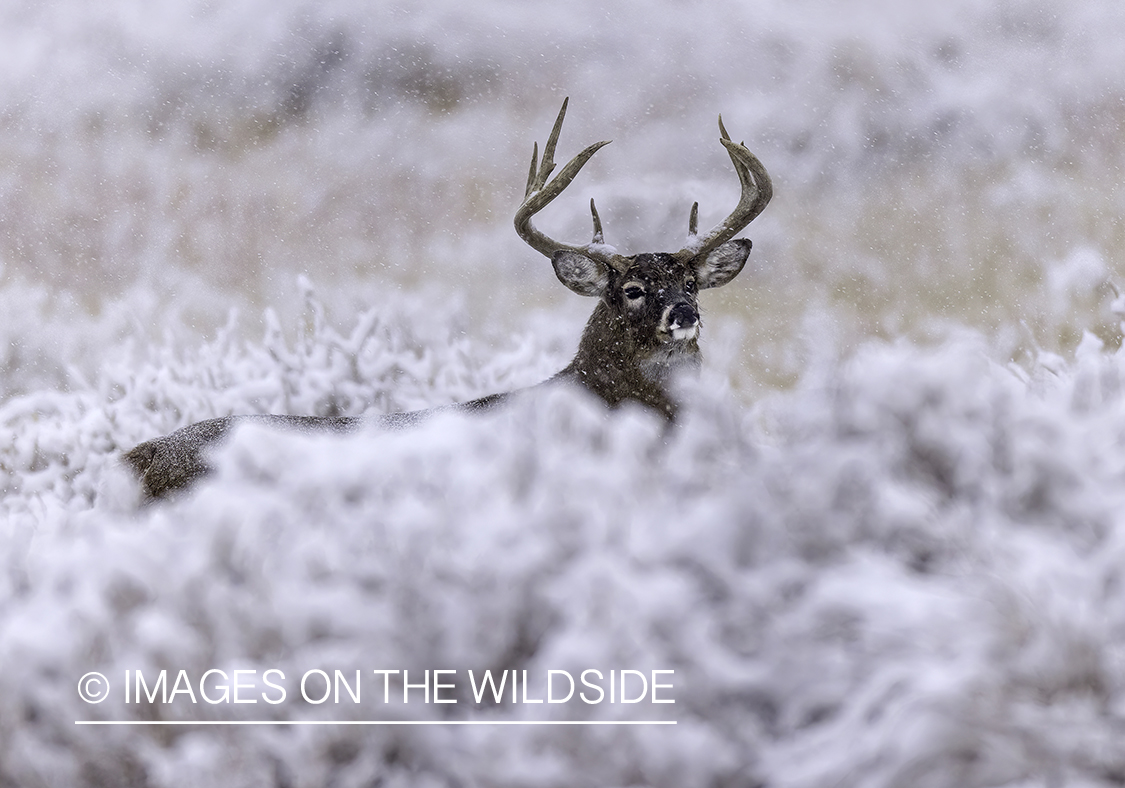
682 321
682 315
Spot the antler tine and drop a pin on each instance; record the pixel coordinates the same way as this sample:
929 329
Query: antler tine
532 172
540 172
548 163
757 189
599 236
739 167
540 192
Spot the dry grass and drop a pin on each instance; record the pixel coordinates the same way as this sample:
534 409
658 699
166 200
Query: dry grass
1020 247
1022 251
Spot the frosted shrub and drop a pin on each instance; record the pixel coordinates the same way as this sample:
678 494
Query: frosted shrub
902 571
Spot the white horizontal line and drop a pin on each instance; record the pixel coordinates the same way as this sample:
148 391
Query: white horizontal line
374 722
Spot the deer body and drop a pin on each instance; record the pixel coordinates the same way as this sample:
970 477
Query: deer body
643 332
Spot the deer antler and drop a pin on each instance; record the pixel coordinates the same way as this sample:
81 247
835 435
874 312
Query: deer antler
757 189
539 193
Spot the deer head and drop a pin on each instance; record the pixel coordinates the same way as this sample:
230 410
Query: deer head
646 324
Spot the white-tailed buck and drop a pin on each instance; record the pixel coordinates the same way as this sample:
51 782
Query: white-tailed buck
644 328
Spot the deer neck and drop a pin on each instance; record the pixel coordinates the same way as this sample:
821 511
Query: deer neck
612 363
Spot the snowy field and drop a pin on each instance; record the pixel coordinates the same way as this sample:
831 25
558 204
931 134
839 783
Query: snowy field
885 546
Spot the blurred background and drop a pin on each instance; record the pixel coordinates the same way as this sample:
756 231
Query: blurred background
938 164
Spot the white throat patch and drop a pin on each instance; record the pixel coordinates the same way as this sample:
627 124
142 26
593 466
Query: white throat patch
684 334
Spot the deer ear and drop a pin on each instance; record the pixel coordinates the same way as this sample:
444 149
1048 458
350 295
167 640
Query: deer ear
580 273
723 264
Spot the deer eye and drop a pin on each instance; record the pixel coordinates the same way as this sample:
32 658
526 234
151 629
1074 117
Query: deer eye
633 292
690 285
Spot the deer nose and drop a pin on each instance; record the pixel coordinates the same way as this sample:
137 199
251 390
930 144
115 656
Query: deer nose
682 316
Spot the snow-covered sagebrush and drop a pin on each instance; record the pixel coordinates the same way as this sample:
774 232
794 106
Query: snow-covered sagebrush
906 571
